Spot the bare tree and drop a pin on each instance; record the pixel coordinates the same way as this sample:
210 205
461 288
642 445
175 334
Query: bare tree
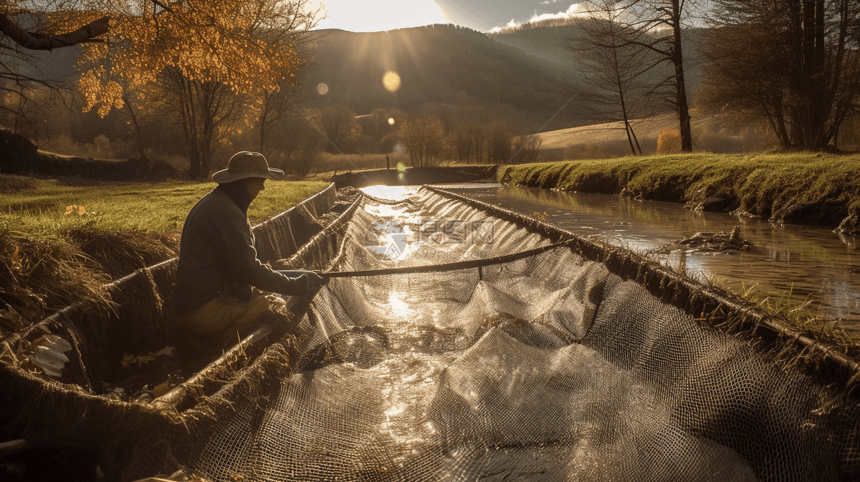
204 110
794 63
18 82
461 141
612 84
289 28
339 124
498 143
478 134
526 149
305 141
425 139
658 25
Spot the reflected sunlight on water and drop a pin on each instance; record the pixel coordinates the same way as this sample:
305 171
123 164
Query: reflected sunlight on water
399 307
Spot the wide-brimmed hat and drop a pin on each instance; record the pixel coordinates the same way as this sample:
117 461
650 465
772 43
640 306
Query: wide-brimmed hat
246 164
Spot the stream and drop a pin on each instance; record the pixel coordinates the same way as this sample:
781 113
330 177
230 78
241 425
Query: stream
803 263
794 263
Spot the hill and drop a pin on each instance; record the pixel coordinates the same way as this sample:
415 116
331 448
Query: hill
437 65
710 134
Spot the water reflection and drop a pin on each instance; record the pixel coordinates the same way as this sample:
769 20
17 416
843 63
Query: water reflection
808 262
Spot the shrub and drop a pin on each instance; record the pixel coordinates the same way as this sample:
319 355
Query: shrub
669 141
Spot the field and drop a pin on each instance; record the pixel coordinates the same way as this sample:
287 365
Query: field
608 140
38 207
60 242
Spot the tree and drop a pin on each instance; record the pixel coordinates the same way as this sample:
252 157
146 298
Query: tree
803 73
338 123
657 25
478 134
141 106
205 110
461 141
424 138
526 149
305 141
17 83
277 104
206 52
612 85
498 143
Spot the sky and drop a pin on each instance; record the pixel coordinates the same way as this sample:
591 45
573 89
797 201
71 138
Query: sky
482 15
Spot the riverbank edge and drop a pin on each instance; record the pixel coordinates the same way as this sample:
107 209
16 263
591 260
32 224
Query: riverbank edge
785 188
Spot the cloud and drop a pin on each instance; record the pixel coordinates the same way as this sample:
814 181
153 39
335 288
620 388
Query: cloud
513 23
572 11
548 2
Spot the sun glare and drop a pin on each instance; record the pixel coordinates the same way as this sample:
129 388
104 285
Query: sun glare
391 121
379 15
391 82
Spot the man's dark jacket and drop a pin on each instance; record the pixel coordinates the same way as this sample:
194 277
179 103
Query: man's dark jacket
217 255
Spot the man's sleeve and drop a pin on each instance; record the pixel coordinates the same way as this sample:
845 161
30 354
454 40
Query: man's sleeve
233 239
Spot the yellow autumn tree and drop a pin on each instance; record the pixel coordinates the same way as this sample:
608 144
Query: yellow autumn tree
205 53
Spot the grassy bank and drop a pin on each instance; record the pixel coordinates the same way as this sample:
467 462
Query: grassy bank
60 242
805 188
38 207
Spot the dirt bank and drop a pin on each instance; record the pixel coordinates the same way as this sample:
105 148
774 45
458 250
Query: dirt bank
415 176
794 188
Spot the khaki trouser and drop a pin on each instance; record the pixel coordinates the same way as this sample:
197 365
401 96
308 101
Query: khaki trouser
226 321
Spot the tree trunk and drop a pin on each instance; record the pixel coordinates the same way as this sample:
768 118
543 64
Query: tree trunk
680 84
136 124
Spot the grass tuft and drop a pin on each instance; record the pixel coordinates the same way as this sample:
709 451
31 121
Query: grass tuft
802 317
41 275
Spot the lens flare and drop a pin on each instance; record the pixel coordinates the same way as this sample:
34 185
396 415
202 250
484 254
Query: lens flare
391 81
322 89
391 121
401 167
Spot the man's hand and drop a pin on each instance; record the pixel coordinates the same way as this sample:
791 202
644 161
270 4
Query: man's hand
312 280
315 281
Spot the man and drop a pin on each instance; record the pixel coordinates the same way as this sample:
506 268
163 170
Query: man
218 264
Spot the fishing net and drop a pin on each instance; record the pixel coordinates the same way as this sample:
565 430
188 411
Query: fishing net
466 344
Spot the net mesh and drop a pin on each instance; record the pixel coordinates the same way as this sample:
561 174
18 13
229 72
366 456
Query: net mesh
543 368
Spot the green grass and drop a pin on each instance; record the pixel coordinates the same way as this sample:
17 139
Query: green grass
760 183
147 208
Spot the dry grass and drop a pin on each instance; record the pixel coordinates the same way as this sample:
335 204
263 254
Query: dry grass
121 252
41 275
